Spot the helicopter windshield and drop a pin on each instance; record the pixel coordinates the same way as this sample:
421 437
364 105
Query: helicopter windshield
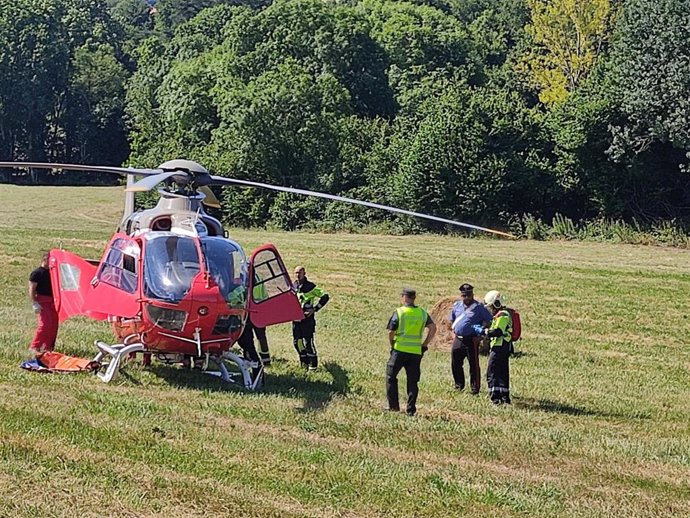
170 264
226 263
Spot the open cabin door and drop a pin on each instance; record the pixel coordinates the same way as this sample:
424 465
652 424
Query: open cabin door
115 288
272 299
71 278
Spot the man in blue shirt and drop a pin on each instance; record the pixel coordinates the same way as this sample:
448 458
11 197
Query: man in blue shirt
467 313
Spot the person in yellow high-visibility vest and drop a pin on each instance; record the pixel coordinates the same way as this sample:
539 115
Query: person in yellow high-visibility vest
408 345
500 332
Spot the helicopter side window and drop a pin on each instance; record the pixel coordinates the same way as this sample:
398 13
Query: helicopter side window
171 263
118 269
226 264
269 278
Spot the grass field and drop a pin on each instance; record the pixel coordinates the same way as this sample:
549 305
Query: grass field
600 424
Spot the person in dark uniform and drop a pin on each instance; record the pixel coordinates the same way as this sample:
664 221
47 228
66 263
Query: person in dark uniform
41 295
466 313
405 334
312 299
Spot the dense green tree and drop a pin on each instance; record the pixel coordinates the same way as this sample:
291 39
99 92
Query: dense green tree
94 126
591 184
61 81
420 40
474 153
650 81
424 104
170 14
150 142
136 18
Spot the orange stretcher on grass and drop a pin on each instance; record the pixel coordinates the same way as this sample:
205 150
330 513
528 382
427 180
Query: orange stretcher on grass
52 361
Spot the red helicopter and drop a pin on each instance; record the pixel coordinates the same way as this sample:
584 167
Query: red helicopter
171 282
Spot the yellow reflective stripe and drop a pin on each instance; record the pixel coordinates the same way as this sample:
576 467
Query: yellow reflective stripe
310 296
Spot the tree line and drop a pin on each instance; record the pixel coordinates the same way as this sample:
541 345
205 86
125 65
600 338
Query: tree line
502 112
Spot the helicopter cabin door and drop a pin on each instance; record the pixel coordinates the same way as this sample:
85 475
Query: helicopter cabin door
272 300
115 288
71 277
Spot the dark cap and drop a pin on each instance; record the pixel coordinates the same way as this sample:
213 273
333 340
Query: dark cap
466 288
409 292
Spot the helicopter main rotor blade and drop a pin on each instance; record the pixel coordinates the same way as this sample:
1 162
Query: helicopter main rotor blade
247 183
79 167
150 182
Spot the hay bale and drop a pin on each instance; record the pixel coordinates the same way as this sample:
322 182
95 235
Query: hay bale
444 334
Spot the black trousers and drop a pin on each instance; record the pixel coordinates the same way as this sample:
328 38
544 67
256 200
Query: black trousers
246 342
468 348
498 374
412 365
303 340
264 353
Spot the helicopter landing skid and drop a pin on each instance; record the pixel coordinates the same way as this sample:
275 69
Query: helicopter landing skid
116 352
246 367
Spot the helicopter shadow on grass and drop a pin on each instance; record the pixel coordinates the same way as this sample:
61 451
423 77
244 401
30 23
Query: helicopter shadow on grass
315 393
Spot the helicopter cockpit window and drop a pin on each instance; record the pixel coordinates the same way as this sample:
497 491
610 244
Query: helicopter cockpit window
269 278
226 264
170 264
119 268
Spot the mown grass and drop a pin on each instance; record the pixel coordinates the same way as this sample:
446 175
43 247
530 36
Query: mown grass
599 424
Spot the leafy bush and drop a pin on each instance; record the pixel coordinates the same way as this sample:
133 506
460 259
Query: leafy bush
534 228
563 228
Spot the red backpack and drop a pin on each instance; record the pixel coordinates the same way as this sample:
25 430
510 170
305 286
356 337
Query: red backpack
517 325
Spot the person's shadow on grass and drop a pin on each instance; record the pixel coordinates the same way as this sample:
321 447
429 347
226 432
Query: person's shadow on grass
547 405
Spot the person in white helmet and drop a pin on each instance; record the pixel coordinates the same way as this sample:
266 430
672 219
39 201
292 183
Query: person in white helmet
497 372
